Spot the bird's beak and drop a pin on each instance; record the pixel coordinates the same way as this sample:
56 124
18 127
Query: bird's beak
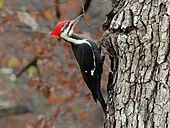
76 20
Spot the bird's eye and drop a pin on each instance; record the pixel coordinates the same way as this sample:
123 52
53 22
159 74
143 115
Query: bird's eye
66 25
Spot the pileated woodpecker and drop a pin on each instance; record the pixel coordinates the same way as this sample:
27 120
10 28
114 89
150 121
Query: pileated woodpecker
87 55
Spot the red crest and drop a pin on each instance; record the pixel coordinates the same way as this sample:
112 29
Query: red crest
57 29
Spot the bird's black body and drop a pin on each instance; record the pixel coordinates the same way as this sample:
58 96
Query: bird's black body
89 60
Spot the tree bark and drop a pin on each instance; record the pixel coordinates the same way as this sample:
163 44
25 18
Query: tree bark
138 41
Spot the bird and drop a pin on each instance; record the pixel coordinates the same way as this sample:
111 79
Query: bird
87 55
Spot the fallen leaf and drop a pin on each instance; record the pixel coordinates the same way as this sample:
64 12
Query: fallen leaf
84 115
13 62
31 70
92 126
48 13
47 91
52 99
38 49
71 108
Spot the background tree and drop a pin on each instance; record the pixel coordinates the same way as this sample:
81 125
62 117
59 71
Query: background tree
138 41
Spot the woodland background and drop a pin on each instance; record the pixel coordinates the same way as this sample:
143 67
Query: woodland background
51 92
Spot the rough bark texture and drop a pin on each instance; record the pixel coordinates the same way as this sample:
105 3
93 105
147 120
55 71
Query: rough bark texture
137 38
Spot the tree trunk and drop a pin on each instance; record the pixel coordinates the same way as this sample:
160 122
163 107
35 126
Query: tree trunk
138 41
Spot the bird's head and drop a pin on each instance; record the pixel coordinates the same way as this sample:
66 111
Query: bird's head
65 28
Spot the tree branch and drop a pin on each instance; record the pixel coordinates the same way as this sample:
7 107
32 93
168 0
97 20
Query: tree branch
13 110
33 62
85 7
57 8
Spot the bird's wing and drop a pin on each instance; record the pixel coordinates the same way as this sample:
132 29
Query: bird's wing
86 60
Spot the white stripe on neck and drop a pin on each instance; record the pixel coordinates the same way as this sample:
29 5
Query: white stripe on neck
74 41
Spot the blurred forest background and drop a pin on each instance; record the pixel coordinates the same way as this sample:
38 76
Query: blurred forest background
51 92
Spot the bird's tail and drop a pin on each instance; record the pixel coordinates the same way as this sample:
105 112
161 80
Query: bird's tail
99 94
101 100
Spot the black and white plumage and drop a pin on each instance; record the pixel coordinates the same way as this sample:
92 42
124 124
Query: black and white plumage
87 55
